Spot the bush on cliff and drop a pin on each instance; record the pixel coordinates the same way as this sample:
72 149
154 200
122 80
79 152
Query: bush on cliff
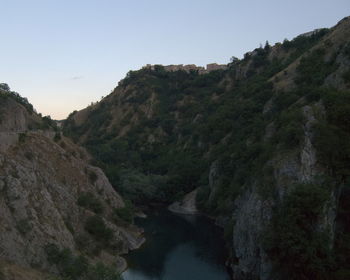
299 248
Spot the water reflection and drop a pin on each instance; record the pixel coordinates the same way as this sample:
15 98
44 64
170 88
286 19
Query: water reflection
178 247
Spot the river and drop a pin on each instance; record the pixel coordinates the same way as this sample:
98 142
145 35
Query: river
178 247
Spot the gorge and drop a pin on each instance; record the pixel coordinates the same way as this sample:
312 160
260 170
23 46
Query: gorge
178 247
261 146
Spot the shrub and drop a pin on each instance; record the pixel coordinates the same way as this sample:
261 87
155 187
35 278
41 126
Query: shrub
125 213
5 93
24 226
346 77
22 137
291 135
82 241
57 137
47 122
4 87
313 69
332 133
68 265
293 241
97 228
347 50
53 253
89 201
102 272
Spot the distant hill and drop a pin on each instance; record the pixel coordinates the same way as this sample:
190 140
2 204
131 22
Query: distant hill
266 142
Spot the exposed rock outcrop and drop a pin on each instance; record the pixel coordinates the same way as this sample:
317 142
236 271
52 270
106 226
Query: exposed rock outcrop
41 181
187 205
254 211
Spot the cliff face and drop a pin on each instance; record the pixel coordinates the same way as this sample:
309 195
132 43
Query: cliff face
14 120
254 210
43 176
264 143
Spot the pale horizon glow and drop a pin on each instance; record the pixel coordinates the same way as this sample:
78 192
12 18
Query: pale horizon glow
63 55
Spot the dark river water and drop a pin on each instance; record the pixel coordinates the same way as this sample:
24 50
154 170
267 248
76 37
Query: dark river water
178 247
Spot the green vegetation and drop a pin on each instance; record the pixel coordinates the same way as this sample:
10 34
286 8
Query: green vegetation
22 137
98 229
43 123
83 242
347 50
313 69
77 267
146 171
89 201
47 123
342 238
125 213
346 77
238 120
333 132
301 44
24 226
102 272
294 242
6 93
57 137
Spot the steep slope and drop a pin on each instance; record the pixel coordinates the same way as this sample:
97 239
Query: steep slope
11 271
266 141
50 197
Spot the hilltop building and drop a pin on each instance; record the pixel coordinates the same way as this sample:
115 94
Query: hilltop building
190 67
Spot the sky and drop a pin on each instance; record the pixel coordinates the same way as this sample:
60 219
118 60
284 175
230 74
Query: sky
64 54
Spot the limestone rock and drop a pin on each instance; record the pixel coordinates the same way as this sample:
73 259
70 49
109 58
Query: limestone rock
40 183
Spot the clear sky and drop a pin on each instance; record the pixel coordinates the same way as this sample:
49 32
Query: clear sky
64 54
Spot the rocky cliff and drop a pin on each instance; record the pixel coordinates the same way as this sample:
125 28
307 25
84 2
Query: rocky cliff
254 211
48 193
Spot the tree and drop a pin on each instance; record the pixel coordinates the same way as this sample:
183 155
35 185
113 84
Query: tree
234 59
4 86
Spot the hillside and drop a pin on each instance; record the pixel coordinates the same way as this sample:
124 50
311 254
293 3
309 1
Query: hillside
57 211
265 142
